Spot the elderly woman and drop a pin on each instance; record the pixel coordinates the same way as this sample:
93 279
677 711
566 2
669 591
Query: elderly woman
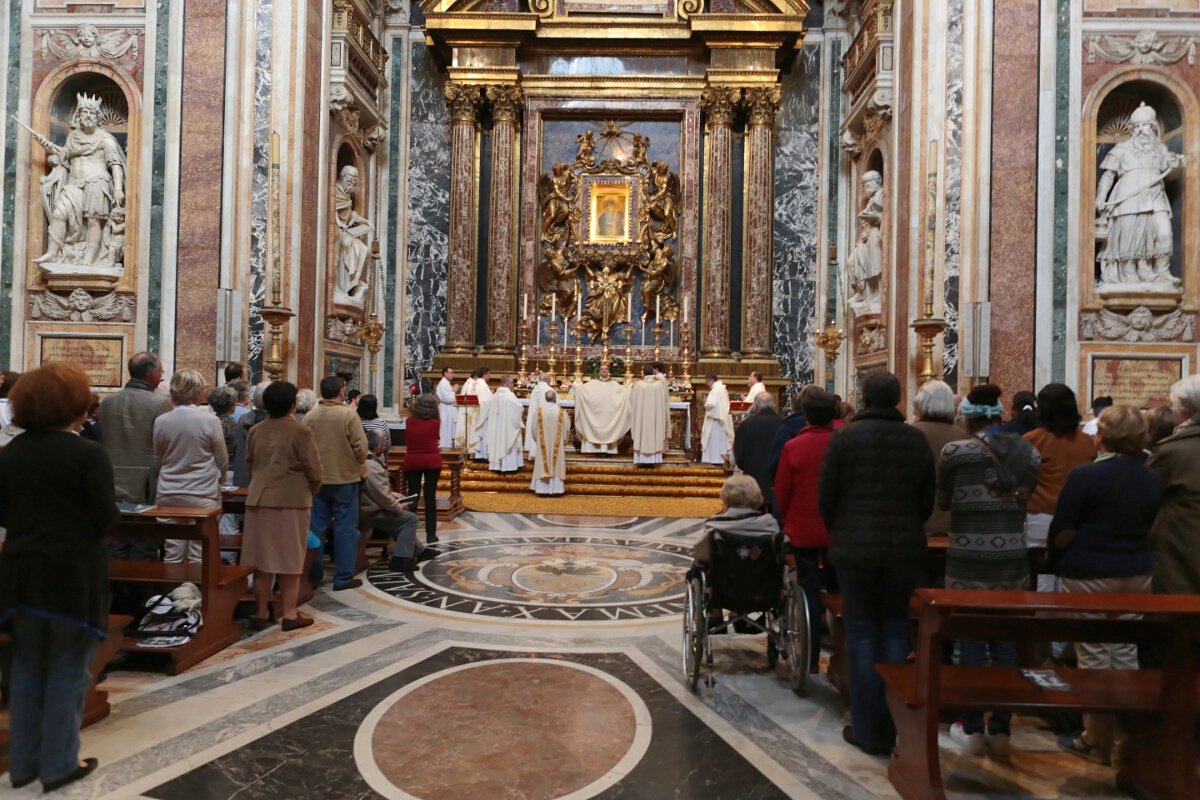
1176 535
935 409
368 412
285 472
241 475
222 401
423 458
1100 542
982 482
189 453
306 401
57 500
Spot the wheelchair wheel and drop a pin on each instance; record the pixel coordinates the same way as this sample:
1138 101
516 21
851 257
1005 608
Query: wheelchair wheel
797 638
695 631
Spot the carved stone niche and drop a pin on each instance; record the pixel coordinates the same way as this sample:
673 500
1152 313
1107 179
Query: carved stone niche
350 271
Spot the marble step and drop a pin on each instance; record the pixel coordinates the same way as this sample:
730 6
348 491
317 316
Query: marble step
514 485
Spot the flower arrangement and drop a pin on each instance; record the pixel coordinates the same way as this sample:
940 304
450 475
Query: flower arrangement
676 385
616 367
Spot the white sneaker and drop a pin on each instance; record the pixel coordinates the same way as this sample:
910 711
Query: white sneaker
999 746
973 744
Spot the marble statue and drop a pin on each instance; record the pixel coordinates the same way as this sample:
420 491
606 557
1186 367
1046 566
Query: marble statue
84 198
1133 214
865 265
352 250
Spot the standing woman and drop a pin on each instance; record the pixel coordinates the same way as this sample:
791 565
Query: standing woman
57 501
1176 460
285 472
189 452
423 458
368 412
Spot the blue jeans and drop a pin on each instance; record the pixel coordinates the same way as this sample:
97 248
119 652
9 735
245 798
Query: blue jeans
974 653
339 501
50 677
875 605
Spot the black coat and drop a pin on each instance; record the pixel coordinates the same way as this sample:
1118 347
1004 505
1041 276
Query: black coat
876 491
58 503
752 449
787 430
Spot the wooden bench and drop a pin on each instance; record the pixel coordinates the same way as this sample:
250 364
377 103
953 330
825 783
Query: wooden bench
450 504
221 585
1159 756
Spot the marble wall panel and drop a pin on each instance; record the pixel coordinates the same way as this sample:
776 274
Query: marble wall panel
310 199
259 183
428 216
201 144
12 81
797 194
157 183
399 86
952 182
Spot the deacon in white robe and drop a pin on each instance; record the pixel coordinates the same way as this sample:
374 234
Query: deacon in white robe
478 444
552 428
650 418
447 408
717 433
601 414
756 387
502 416
466 414
537 399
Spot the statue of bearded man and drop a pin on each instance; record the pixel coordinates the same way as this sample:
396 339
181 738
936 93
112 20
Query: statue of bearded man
1133 214
866 261
351 251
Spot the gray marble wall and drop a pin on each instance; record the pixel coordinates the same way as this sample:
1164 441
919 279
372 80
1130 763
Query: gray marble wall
797 194
428 216
259 180
953 183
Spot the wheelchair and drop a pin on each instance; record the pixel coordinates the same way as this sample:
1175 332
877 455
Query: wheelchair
758 587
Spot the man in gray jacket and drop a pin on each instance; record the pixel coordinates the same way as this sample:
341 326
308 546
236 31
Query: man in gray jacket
129 441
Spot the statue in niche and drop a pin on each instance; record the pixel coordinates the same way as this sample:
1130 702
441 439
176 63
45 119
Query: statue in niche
351 250
1133 214
865 266
80 195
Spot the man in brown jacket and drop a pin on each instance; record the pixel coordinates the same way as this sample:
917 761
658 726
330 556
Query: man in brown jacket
385 512
342 444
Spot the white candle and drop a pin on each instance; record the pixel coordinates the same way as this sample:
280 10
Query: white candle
643 329
565 328
579 306
671 343
524 305
657 308
629 303
553 305
537 323
685 309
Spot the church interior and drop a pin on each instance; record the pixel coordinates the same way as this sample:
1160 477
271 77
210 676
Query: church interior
730 196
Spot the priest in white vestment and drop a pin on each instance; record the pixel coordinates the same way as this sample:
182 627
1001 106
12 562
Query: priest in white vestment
537 399
504 431
756 387
477 444
650 418
717 433
552 428
447 408
466 414
601 413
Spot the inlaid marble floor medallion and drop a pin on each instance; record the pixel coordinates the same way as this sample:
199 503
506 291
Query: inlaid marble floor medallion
558 578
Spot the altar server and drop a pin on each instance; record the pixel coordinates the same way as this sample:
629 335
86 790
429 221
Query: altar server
466 414
650 418
601 413
447 408
502 423
537 399
478 436
552 428
717 433
756 387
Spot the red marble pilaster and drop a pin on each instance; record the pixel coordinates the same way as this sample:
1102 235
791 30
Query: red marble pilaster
762 103
719 103
502 223
463 102
310 198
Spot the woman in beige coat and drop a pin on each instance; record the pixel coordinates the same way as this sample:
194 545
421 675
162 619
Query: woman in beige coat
285 472
1175 536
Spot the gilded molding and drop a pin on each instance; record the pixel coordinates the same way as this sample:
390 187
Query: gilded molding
720 104
762 104
506 102
463 102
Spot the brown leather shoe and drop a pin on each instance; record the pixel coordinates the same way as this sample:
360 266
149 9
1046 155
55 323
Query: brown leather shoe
260 623
300 621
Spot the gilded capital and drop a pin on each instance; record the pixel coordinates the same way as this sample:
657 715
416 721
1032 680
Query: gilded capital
506 101
720 103
463 101
762 104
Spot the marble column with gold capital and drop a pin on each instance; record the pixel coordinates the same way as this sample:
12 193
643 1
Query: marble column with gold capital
719 104
506 102
463 101
762 106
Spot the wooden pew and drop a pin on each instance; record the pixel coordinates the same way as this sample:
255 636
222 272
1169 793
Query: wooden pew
450 504
221 585
1160 705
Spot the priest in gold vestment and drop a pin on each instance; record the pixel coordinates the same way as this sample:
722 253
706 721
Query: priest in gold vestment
537 399
650 418
717 433
551 429
601 413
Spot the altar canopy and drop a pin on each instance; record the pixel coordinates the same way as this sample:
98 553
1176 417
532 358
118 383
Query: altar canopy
601 414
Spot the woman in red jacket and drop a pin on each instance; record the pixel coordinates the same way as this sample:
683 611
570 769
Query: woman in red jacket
423 458
796 497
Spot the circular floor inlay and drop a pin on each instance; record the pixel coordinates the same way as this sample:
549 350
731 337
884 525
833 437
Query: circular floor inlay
534 729
560 578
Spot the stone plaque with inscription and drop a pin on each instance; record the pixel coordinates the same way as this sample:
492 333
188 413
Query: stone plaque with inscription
1135 381
100 357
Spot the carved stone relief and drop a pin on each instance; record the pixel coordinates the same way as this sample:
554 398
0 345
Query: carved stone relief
1144 48
1139 325
80 306
871 339
343 330
88 42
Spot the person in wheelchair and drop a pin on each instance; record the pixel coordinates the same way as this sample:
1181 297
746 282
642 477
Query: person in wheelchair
742 527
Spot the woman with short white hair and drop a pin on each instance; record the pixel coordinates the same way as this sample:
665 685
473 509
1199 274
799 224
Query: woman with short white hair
190 456
935 409
1175 535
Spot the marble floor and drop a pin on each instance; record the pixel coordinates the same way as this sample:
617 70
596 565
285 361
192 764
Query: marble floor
539 657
